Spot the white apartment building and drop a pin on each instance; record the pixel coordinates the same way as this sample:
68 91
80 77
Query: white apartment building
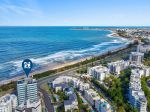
94 99
118 66
99 72
27 90
28 96
8 103
143 48
136 95
136 58
91 96
30 107
84 86
61 82
144 71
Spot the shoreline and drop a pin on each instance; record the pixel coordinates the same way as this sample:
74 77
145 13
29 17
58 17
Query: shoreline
113 34
55 66
43 69
59 66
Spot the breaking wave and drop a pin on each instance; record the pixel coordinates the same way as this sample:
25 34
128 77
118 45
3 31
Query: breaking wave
63 56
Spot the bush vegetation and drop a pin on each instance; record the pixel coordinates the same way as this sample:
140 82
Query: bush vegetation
118 90
146 90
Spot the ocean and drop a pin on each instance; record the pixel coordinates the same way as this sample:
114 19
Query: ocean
48 45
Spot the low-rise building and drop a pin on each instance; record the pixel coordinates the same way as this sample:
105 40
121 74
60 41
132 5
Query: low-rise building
71 104
60 83
8 103
30 107
91 96
143 48
60 87
99 72
118 66
94 99
136 58
146 70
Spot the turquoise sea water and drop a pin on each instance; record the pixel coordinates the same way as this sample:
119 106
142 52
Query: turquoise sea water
48 45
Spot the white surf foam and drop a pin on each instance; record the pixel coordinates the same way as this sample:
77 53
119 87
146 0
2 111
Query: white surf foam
63 56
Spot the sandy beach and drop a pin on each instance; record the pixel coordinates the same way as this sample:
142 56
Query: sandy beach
52 66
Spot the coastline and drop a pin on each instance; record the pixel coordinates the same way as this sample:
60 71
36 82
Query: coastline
113 34
61 65
44 69
58 66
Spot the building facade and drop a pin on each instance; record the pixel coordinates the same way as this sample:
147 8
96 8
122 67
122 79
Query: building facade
99 72
118 66
136 58
27 90
8 103
28 99
136 95
91 96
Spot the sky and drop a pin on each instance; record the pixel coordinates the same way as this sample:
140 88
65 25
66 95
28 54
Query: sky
74 12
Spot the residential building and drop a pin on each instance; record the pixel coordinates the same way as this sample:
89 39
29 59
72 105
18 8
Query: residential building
28 96
91 96
60 83
30 107
8 103
136 95
143 48
60 87
118 66
84 86
146 70
27 90
99 72
71 104
136 58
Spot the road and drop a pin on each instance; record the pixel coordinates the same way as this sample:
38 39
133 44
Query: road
46 96
70 72
47 101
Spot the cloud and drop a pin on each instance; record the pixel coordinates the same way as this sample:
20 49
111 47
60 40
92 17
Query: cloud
21 9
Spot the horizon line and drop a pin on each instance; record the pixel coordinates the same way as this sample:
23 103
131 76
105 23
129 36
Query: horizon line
73 26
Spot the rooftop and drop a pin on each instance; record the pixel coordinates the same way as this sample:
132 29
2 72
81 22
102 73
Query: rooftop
27 80
93 94
137 53
72 98
5 99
